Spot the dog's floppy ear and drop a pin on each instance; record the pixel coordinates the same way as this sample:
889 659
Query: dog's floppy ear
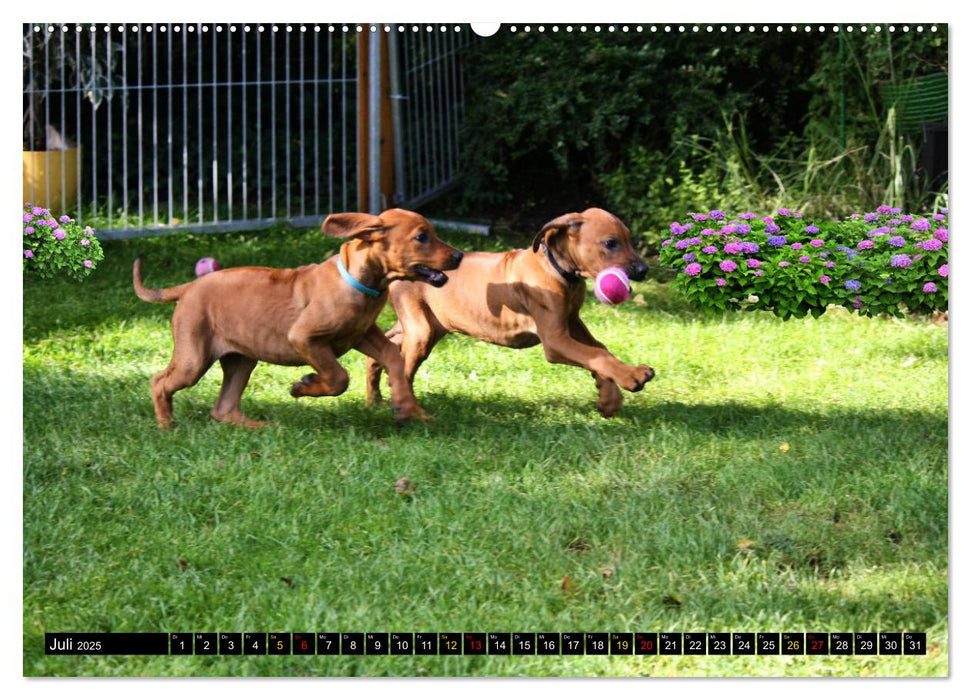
366 227
557 226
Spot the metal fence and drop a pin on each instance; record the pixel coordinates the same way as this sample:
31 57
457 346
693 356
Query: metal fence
232 126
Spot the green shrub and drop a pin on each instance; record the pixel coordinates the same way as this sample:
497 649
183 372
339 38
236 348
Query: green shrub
873 264
54 246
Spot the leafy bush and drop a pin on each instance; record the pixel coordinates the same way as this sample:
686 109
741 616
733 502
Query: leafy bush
873 264
58 245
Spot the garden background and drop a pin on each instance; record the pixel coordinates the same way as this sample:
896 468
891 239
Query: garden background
776 474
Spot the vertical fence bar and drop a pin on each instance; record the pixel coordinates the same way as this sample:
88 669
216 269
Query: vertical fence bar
245 82
138 137
111 189
394 68
200 181
154 28
302 107
330 120
32 102
273 159
374 122
215 128
169 140
344 123
288 139
124 123
77 113
47 117
185 121
316 122
61 57
229 121
259 124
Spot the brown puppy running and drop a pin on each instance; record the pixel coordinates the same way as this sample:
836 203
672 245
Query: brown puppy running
524 297
309 315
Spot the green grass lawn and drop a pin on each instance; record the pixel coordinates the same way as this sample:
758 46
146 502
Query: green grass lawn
775 476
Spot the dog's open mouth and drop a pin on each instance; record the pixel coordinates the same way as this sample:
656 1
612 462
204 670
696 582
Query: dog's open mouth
436 278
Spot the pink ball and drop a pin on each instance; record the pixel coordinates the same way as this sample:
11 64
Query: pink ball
206 265
612 286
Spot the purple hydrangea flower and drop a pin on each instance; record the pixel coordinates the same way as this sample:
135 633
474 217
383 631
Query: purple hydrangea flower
65 219
877 232
816 243
748 247
692 269
897 241
88 263
777 241
932 244
28 253
37 211
938 217
894 222
716 214
865 245
785 212
681 244
772 228
28 230
676 229
901 261
733 248
796 246
907 218
921 224
85 241
804 259
746 215
852 285
28 218
689 257
59 234
825 279
930 288
783 263
709 249
758 273
941 235
699 217
917 257
857 303
743 228
797 215
883 209
729 229
942 270
872 216
812 229
665 244
768 220
720 282
753 263
830 264
727 266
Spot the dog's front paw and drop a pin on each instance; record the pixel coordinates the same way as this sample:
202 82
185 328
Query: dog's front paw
637 377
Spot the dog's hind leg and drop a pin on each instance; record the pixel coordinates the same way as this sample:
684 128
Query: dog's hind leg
236 373
373 370
177 376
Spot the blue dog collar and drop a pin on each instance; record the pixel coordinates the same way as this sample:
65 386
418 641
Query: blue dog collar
354 283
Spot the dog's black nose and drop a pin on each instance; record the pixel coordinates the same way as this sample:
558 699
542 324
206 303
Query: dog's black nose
637 271
456 258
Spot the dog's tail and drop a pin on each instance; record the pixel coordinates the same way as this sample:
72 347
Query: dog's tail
157 296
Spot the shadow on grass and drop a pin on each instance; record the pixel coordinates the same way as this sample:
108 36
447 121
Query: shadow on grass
487 416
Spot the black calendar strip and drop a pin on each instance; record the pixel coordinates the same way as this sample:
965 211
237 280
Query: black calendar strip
486 643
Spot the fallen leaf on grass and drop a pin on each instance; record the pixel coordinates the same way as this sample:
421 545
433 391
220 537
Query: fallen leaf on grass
183 564
784 447
287 581
908 362
404 487
566 585
639 300
745 544
671 600
606 571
